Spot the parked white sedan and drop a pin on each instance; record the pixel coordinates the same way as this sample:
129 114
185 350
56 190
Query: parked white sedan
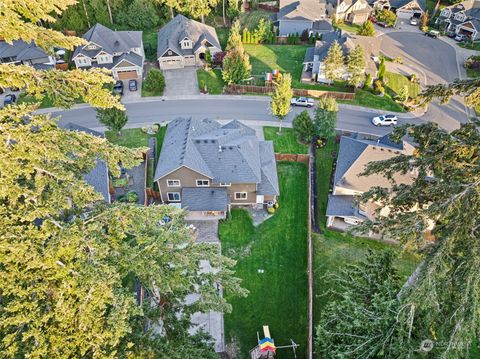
385 120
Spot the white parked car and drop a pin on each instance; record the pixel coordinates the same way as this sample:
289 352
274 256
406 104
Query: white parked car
414 21
302 101
385 120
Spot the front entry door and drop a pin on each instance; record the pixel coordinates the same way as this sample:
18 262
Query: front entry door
259 198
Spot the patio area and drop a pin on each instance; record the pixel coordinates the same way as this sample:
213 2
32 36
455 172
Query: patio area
130 181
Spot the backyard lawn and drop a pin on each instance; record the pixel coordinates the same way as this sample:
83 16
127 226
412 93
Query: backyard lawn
395 82
286 142
287 59
250 19
352 28
213 79
272 262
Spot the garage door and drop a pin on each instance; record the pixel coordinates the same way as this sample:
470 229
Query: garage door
189 60
171 64
404 14
127 75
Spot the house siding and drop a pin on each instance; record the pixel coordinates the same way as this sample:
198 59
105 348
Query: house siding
186 176
293 26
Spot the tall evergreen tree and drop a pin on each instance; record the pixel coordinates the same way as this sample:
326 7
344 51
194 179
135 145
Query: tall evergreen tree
381 69
356 66
280 99
234 39
303 127
366 29
236 66
334 62
113 118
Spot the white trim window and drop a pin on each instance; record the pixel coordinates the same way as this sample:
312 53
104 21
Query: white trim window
225 184
203 183
174 196
241 196
174 183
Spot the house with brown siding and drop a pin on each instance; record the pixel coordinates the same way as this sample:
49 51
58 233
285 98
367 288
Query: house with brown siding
205 167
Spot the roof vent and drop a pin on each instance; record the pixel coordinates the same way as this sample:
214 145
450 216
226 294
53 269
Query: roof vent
197 141
205 141
212 141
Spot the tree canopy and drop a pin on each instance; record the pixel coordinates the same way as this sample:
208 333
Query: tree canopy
334 62
325 119
281 96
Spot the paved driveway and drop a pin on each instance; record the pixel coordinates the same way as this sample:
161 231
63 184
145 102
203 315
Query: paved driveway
131 96
181 82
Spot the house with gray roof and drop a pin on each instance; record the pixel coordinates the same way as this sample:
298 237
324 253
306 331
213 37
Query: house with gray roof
296 16
119 51
344 208
462 18
98 177
20 52
206 167
404 9
183 42
351 11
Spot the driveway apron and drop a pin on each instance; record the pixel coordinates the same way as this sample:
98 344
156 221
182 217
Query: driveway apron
181 82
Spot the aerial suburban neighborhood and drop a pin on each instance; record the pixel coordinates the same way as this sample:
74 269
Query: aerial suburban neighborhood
240 179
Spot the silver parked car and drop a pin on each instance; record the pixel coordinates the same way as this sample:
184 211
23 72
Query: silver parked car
385 120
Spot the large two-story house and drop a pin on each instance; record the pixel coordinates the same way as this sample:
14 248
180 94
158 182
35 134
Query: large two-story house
20 52
354 154
119 51
184 42
462 18
296 16
352 11
206 168
404 9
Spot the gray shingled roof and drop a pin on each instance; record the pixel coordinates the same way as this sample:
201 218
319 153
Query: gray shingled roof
205 199
340 206
131 57
322 46
110 41
178 28
22 50
301 10
349 151
397 4
98 177
229 153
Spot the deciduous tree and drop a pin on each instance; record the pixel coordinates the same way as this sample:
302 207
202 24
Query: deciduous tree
325 119
386 16
366 29
334 62
236 65
356 66
113 118
281 96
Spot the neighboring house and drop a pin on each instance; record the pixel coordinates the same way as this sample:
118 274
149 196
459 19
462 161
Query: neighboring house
313 63
405 9
296 16
354 154
98 177
352 11
462 18
206 168
183 42
23 53
119 51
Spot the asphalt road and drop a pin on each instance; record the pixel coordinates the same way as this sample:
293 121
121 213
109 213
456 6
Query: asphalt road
435 61
253 111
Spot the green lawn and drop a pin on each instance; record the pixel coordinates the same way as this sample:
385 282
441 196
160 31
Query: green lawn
250 19
286 58
473 73
150 44
352 28
368 99
135 137
395 82
324 165
286 142
470 46
278 296
222 34
213 79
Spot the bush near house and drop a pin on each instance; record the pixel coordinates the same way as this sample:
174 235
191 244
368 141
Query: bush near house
154 84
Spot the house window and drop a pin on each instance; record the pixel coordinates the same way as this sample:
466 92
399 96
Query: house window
174 196
173 183
241 196
91 47
225 184
203 183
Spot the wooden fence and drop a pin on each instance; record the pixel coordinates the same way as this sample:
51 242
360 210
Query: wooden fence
291 157
241 89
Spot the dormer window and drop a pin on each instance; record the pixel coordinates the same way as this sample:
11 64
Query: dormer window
91 47
460 16
186 44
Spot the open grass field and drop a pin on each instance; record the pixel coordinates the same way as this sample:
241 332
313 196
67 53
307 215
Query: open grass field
286 142
287 59
395 82
213 79
278 295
